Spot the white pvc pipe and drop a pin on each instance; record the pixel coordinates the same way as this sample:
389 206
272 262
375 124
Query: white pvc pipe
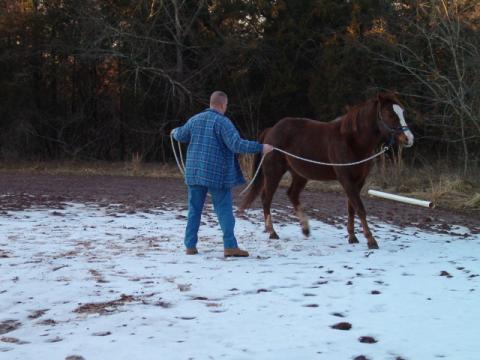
403 199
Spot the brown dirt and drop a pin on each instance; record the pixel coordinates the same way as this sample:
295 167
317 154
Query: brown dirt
342 326
9 325
132 194
37 313
104 307
367 339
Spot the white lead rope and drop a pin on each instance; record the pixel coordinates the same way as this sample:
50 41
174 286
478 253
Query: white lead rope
181 164
383 151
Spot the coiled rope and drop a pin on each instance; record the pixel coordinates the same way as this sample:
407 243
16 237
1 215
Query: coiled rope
181 166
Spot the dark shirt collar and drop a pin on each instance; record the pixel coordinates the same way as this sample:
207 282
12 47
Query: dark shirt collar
214 110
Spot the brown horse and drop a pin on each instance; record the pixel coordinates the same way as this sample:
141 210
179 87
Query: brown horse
349 138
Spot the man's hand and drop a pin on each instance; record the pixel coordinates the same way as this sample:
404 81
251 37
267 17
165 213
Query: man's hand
267 148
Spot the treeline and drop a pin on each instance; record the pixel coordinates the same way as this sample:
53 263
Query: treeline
108 79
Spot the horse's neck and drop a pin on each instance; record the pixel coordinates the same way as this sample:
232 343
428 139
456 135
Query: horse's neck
368 137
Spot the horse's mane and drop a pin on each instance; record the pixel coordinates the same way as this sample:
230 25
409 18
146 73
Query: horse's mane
349 121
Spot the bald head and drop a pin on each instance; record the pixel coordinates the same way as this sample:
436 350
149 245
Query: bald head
219 101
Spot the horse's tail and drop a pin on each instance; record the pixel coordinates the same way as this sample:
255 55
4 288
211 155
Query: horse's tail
257 185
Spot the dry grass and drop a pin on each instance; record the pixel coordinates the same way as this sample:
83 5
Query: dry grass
474 202
135 167
437 183
246 163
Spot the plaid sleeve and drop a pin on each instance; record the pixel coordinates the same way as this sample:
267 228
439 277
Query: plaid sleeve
183 133
230 136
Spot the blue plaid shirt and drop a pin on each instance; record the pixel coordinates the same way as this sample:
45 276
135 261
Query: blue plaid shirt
213 142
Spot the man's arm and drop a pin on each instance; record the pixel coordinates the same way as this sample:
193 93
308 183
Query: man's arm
183 133
234 142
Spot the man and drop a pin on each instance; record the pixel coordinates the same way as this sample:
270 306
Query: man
212 166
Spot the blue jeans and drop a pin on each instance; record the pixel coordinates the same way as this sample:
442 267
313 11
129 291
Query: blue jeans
222 203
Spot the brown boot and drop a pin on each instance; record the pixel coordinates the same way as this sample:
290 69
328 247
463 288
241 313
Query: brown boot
191 251
236 252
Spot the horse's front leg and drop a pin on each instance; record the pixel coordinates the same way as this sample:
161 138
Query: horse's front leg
362 214
372 243
352 239
353 193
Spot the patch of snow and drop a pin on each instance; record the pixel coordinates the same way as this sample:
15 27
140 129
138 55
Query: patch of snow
119 286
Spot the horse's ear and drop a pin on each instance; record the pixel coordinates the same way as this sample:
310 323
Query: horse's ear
349 122
391 96
382 97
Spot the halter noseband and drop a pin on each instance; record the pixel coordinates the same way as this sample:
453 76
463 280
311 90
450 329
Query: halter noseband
391 131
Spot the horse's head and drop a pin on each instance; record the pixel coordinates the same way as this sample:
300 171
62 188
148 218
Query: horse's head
391 120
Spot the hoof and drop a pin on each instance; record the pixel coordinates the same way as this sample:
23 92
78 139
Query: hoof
352 240
274 235
306 232
373 245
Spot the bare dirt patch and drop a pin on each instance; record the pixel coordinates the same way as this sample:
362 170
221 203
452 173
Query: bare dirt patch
105 307
37 313
74 357
140 194
342 326
9 325
367 339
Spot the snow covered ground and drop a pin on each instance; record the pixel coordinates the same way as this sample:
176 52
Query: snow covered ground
101 284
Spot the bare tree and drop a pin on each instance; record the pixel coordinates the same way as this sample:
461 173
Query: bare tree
441 55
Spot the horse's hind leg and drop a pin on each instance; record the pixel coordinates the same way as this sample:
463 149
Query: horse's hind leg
352 239
273 171
293 192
